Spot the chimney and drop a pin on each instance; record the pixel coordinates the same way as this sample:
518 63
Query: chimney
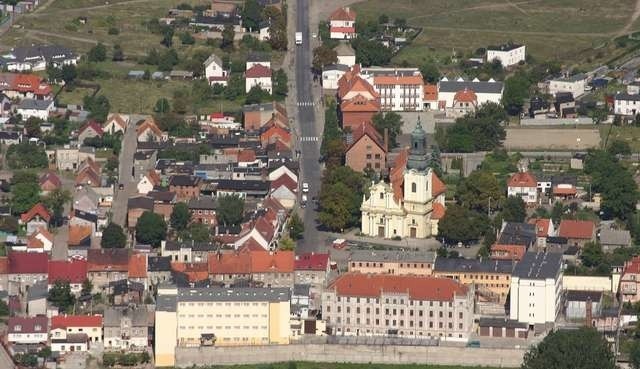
386 139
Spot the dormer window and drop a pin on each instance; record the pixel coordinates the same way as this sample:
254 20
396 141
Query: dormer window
37 328
17 328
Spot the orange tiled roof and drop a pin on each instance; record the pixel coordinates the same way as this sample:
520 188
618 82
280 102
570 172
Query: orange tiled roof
631 266
359 103
30 83
343 14
437 186
398 80
522 179
431 92
251 261
276 131
396 174
37 209
34 242
367 129
137 266
465 95
78 233
507 252
70 321
578 229
343 29
258 71
246 155
357 84
154 177
542 226
117 119
564 190
4 265
418 287
149 124
193 271
438 211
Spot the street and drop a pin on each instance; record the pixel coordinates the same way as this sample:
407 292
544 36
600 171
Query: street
311 169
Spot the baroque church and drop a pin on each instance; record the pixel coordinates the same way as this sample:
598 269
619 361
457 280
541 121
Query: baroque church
412 203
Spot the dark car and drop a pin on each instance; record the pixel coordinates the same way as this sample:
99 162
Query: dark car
121 186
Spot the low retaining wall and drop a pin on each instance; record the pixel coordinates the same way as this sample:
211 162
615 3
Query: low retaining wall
379 354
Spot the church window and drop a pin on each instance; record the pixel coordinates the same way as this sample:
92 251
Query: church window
381 195
413 187
415 145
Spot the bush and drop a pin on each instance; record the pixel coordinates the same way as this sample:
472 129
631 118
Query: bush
113 31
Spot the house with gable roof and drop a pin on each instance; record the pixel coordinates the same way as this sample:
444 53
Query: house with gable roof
271 269
214 71
285 190
25 270
27 330
148 131
366 149
116 123
90 130
49 181
412 203
148 182
485 91
258 75
524 185
342 24
37 217
73 271
39 241
73 333
312 268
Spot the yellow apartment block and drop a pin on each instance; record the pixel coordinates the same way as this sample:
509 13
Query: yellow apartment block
192 317
492 278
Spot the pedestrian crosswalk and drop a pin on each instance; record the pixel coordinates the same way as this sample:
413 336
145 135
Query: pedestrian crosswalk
307 103
309 139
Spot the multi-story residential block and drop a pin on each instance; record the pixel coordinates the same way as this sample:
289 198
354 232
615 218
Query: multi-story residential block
514 240
29 331
407 306
574 84
26 269
268 268
400 89
525 186
392 262
311 268
185 187
107 265
536 288
37 57
491 278
126 328
630 281
507 54
219 317
203 210
367 149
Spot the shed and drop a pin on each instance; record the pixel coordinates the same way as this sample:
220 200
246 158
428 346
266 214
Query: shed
157 75
576 304
135 74
180 74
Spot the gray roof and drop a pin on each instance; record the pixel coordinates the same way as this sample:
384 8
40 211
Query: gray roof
501 322
627 97
393 255
301 289
478 86
610 236
194 246
517 234
340 67
574 78
140 202
504 47
258 107
234 294
538 265
258 57
113 316
473 265
51 53
38 291
166 303
344 49
35 104
202 202
213 58
573 295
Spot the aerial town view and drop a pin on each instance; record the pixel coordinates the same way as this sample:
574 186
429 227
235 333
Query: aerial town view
320 184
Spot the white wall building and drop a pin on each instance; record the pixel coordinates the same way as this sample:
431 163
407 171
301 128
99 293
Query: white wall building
485 91
574 84
536 288
626 104
331 74
508 55
258 75
23 330
35 108
214 72
400 89
523 185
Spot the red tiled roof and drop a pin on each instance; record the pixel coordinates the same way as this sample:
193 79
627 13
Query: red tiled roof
35 242
266 229
251 244
88 176
108 260
507 252
284 180
418 287
431 92
276 131
74 271
343 29
30 83
138 266
632 266
251 261
28 262
28 324
93 125
218 78
357 84
398 80
522 179
437 186
193 271
438 211
4 265
268 261
72 321
154 177
359 103
564 190
258 71
396 175
311 261
117 119
247 156
37 209
465 95
343 14
52 178
150 124
367 129
78 234
578 229
542 226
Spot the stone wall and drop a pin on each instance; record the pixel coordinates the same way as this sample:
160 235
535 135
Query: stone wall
437 355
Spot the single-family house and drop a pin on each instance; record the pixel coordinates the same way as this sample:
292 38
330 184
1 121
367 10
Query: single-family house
73 271
116 123
73 333
49 181
27 330
523 185
107 265
90 130
136 206
148 131
366 149
214 71
32 108
79 240
10 138
148 182
26 269
258 76
37 217
37 57
39 241
342 24
345 53
574 84
507 54
577 232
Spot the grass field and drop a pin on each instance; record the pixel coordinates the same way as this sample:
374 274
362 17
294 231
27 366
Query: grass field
578 31
629 134
309 365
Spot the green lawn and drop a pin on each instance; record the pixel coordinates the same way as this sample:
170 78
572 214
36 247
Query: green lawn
310 365
629 134
577 31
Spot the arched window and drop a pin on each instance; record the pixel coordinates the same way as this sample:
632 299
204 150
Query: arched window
381 195
413 187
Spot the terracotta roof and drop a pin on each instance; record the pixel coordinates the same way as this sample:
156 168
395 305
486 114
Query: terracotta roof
117 119
465 95
107 260
35 242
149 124
359 103
284 180
564 190
247 156
71 321
88 176
367 129
438 211
93 125
51 178
542 226
356 84
418 287
28 324
431 92
4 265
28 262
522 179
265 228
343 14
311 261
398 80
273 205
250 261
154 177
343 29
193 271
251 244
437 186
632 266
30 83
507 252
396 175
268 261
74 271
78 234
276 131
37 209
138 266
577 229
258 71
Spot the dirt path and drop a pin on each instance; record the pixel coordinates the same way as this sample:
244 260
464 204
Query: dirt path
71 10
480 7
72 38
534 33
632 20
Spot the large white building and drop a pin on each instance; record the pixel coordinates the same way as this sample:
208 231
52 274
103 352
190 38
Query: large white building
508 54
483 92
626 104
574 84
400 89
413 203
36 58
194 317
523 185
536 288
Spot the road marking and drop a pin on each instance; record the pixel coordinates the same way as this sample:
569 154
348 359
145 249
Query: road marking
309 139
306 103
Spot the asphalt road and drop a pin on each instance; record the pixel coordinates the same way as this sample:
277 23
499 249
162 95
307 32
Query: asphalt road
311 170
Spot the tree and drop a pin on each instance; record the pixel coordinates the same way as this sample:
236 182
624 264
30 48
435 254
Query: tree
592 254
235 87
113 237
187 39
167 60
287 244
98 107
61 296
583 348
435 162
9 224
167 36
180 217
4 309
228 35
230 209
460 224
53 73
55 202
113 31
598 115
391 121
296 227
430 72
25 191
162 106
280 85
619 147
340 197
634 354
475 191
251 15
26 155
371 52
32 126
151 229
481 131
277 27
87 287
68 73
118 54
516 90
256 95
323 55
383 19
514 210
98 53
198 232
331 129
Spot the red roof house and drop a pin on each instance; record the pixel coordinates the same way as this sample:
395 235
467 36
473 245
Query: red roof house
49 181
28 263
312 261
577 231
73 271
37 212
258 71
73 321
